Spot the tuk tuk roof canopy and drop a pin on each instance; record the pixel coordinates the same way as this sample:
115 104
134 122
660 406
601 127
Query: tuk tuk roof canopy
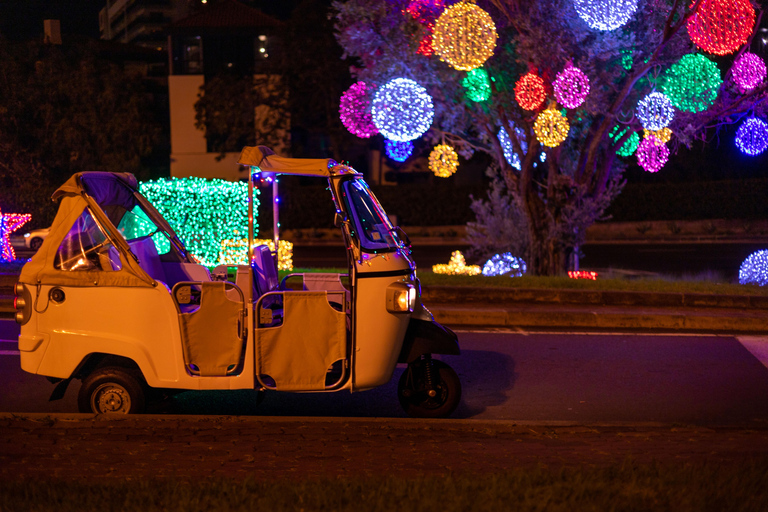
266 160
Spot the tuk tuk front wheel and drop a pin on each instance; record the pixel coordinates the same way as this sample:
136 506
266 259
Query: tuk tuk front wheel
429 388
112 390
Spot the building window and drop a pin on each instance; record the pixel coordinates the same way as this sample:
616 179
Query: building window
192 55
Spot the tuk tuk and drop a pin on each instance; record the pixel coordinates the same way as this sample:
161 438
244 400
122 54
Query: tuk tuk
104 301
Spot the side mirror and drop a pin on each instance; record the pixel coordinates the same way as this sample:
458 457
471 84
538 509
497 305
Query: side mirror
339 219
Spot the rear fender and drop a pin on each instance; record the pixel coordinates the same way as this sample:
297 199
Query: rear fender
427 337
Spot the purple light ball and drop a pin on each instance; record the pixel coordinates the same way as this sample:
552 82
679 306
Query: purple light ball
748 71
752 136
354 110
651 155
571 87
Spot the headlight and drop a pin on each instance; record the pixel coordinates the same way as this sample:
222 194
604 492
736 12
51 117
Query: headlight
401 298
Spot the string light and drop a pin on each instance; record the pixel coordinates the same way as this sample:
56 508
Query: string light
443 161
402 110
651 155
477 84
754 269
721 26
354 110
530 92
397 150
660 136
425 45
571 87
504 265
10 222
629 146
605 14
425 11
752 136
692 83
234 252
457 265
506 145
748 71
551 128
464 36
655 111
202 212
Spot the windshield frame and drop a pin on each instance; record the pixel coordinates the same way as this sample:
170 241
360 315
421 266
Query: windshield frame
371 224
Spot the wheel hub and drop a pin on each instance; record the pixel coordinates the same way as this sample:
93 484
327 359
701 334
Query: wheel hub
112 398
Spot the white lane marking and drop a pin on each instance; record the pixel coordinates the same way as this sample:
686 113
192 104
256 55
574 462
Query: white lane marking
757 345
10 353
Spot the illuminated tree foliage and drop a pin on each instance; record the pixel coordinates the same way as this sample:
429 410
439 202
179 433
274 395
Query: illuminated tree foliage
625 49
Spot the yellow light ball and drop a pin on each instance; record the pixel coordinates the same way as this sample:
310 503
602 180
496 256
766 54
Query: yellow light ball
660 136
443 160
464 36
551 127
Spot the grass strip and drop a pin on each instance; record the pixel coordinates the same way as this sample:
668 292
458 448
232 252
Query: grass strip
627 486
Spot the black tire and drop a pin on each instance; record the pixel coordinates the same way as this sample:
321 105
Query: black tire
414 396
35 243
112 390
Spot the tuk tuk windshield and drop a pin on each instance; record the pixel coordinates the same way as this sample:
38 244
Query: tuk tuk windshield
376 232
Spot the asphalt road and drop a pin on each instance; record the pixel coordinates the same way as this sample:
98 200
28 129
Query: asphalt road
579 378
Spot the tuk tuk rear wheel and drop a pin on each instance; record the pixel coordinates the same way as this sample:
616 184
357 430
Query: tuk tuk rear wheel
413 389
112 390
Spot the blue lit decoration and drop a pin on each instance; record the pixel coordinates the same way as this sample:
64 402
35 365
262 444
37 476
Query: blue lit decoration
752 136
397 150
477 84
402 110
506 145
605 14
754 270
655 111
504 265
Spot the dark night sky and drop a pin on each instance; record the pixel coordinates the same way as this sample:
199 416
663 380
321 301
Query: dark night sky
23 19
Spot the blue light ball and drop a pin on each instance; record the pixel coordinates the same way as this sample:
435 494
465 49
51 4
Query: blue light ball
752 136
398 151
655 111
402 110
605 14
754 270
504 265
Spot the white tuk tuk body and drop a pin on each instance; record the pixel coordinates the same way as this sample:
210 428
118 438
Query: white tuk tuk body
113 287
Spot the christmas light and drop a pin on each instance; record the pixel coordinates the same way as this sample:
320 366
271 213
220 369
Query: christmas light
571 87
748 71
504 265
655 111
443 161
530 92
651 155
425 11
752 136
605 14
506 146
402 110
754 269
629 146
477 84
10 222
551 128
354 110
582 274
425 45
721 26
398 151
464 36
457 265
660 136
692 83
234 252
202 212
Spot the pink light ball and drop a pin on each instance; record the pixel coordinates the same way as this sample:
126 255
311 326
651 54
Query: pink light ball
571 87
354 110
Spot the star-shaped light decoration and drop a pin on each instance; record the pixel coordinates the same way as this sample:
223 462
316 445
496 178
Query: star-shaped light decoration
10 222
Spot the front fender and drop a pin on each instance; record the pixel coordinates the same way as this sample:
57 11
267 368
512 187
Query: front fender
427 337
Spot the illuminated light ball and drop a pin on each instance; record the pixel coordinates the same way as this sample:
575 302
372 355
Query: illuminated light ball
530 92
464 36
551 128
443 161
397 150
425 45
748 71
692 83
629 146
354 110
659 136
605 14
504 265
477 84
752 136
655 111
652 156
402 110
571 87
754 269
721 26
506 146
